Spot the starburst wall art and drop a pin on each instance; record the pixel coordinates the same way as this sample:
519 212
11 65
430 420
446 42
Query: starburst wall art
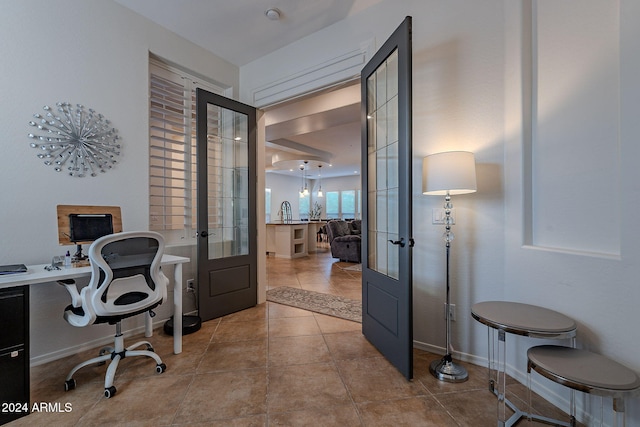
75 140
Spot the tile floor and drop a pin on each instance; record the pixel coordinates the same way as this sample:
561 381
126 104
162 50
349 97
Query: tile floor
271 365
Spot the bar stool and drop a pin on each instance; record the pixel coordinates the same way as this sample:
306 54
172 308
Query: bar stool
584 371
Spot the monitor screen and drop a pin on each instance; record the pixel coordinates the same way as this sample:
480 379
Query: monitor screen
89 227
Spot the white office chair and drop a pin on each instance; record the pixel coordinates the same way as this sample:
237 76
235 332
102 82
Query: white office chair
126 280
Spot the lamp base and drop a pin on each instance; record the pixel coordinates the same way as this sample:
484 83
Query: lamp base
446 370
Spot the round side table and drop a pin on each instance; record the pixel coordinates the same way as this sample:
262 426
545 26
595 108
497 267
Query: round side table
525 320
584 371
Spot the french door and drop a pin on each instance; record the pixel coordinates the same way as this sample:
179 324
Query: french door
387 314
226 187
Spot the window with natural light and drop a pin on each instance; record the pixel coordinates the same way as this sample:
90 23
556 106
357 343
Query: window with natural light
267 204
343 204
304 206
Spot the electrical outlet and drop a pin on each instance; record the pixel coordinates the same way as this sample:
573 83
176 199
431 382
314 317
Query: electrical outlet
452 312
191 286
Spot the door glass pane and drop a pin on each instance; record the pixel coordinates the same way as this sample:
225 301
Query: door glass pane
392 120
392 211
381 87
392 75
382 108
228 182
371 95
381 127
392 165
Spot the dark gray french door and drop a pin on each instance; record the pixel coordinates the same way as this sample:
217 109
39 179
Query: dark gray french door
226 187
387 315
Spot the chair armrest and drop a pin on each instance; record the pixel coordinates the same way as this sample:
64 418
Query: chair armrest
70 284
348 238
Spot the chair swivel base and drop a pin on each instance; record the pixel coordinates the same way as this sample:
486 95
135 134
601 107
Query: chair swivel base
113 355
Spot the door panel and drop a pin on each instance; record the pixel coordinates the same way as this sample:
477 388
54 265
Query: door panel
387 320
227 246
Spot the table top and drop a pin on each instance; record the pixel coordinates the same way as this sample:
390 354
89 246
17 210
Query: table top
38 274
524 319
582 370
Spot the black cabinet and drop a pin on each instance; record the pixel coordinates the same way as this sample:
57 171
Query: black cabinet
14 353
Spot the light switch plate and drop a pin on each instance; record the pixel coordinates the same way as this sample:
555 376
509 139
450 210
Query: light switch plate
438 216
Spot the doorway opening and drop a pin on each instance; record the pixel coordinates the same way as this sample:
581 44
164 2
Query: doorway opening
313 142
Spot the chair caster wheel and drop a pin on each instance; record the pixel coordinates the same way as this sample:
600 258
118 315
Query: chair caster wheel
69 384
150 348
109 392
161 368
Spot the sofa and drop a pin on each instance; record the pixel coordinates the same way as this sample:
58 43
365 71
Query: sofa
345 240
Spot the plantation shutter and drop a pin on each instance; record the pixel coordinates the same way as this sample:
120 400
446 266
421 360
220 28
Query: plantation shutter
172 152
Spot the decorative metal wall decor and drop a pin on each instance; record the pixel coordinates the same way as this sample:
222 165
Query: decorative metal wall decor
78 141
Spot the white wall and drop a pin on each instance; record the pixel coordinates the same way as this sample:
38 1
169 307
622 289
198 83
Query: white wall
458 68
552 223
283 188
572 243
95 53
467 70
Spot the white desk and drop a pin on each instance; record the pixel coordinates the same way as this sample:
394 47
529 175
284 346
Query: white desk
37 274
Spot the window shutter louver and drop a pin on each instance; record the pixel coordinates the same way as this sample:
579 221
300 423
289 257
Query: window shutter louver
172 149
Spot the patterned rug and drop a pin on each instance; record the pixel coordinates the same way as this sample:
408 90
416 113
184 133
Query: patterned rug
348 266
331 305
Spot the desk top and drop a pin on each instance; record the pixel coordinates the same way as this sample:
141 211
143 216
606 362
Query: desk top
37 274
582 370
524 319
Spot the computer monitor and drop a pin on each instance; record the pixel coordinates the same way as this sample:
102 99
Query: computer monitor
85 228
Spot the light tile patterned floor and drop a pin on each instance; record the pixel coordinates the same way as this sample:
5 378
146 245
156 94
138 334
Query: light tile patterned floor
271 365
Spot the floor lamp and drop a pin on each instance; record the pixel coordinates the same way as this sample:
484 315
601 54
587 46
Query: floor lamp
446 174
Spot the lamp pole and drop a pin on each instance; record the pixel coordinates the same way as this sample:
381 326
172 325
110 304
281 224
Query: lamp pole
445 369
448 173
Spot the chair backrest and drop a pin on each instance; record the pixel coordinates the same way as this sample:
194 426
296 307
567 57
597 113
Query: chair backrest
337 228
126 277
355 226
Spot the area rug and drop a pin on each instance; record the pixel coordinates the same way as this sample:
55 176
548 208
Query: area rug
332 305
348 266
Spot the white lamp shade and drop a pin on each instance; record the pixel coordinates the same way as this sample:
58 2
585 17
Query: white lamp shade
452 171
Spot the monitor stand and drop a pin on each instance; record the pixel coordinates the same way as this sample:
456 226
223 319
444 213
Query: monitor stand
79 256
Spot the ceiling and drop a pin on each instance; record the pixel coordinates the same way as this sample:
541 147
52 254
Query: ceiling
324 129
240 32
